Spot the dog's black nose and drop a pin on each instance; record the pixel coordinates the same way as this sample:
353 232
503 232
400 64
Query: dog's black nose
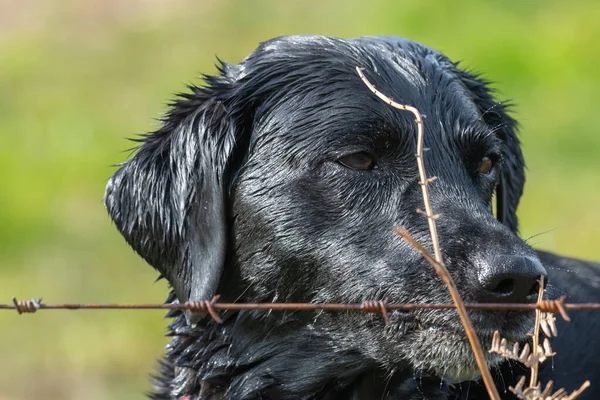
511 279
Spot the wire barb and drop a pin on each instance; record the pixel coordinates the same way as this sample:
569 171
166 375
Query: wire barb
555 306
205 306
376 306
27 306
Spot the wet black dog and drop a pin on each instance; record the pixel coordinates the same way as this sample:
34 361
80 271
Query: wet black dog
281 181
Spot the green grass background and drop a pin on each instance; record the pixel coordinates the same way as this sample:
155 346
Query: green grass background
78 77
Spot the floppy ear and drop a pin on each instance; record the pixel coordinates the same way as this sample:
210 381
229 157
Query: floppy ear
512 179
169 200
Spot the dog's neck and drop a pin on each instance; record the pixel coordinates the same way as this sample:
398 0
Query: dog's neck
250 357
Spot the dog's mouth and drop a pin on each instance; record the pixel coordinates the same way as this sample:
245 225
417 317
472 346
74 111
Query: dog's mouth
439 345
514 325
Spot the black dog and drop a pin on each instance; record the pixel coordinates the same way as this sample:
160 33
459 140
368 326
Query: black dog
282 181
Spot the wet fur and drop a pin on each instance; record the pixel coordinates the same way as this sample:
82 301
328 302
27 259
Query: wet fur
239 193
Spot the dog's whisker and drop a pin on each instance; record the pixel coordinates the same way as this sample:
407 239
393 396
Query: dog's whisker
494 106
387 381
498 128
499 374
570 271
540 234
241 295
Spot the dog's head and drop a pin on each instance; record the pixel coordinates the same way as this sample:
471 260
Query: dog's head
282 180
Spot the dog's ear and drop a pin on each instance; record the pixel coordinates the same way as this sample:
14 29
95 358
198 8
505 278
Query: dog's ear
494 114
169 200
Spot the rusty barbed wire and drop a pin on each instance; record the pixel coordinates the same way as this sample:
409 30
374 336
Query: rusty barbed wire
382 307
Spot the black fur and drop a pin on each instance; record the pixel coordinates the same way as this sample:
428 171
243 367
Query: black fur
244 192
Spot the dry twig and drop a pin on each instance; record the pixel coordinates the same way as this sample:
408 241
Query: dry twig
536 392
532 359
548 325
436 261
525 355
536 336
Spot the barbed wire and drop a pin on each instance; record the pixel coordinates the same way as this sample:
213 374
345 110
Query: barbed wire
382 307
372 306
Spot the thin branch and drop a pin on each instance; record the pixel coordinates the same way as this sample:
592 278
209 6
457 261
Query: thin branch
422 174
439 266
579 391
536 336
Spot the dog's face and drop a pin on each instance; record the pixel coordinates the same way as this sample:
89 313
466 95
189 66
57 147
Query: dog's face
283 179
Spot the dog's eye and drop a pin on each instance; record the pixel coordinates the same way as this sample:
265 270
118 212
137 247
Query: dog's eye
486 165
358 161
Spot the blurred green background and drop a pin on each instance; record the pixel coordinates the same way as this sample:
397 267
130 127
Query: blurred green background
78 77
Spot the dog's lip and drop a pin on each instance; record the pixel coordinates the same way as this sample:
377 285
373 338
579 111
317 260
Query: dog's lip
402 316
505 327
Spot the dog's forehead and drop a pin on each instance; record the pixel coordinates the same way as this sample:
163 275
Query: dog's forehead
313 81
379 53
